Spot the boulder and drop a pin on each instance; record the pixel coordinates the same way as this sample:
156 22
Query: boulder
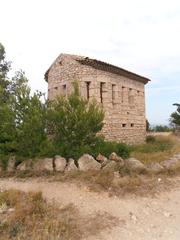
134 165
111 166
102 160
11 164
45 164
71 167
155 168
171 164
177 156
114 157
59 163
87 162
25 165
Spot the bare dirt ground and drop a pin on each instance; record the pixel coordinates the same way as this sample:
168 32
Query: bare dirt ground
137 218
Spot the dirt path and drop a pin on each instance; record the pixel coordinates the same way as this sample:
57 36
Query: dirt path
141 218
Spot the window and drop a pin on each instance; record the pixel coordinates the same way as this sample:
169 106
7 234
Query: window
132 124
122 95
131 97
87 89
64 89
102 85
123 125
113 92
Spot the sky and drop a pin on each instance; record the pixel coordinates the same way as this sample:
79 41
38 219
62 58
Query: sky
142 36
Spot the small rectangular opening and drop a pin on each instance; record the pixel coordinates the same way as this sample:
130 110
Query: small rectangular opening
64 89
130 96
122 95
124 125
113 92
102 84
56 88
132 124
87 89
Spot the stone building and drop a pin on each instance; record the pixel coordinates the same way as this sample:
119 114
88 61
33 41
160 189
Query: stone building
119 91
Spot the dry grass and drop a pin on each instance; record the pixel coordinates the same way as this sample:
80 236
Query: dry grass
33 218
163 148
127 183
115 184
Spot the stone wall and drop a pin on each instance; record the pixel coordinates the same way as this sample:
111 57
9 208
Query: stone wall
122 98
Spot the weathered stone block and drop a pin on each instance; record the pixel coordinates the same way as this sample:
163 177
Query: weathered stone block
45 164
87 162
59 163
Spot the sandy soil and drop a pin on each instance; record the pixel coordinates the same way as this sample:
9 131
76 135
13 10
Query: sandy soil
138 218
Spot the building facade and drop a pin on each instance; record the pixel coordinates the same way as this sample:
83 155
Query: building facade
121 93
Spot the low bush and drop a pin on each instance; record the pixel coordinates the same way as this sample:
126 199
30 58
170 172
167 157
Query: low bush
107 147
156 149
150 139
158 144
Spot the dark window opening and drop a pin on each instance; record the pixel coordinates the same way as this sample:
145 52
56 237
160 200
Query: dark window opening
102 84
122 96
87 89
64 89
56 88
113 92
132 124
123 125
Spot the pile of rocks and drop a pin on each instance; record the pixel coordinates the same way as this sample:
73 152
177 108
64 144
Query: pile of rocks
87 162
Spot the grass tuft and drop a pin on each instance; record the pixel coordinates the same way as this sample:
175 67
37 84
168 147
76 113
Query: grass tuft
157 149
33 218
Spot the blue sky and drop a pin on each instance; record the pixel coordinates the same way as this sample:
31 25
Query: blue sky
140 36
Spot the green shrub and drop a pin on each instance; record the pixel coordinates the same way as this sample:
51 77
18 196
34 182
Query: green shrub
150 139
154 145
107 147
4 161
161 128
74 123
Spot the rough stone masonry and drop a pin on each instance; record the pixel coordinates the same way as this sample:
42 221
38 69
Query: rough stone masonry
120 92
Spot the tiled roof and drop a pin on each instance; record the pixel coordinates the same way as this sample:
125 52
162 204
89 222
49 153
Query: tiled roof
100 65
